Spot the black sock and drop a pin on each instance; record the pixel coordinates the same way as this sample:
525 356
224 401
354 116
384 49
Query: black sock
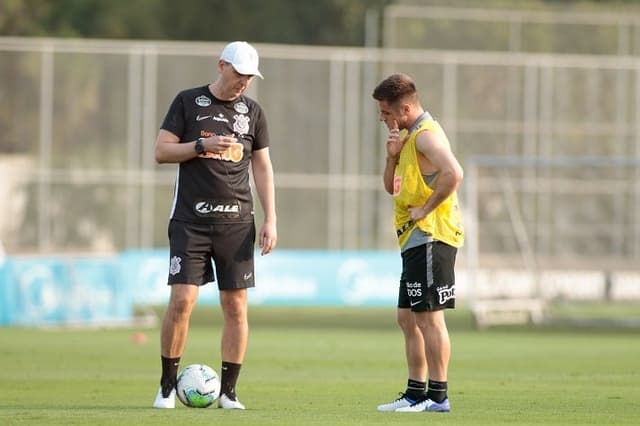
437 391
169 375
415 389
228 379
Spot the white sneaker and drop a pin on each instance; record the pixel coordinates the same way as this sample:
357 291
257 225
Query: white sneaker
401 402
427 405
168 402
229 404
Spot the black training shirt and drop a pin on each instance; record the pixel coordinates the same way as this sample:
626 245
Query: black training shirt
214 188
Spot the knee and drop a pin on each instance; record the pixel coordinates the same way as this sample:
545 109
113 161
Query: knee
181 306
234 311
234 308
431 321
406 321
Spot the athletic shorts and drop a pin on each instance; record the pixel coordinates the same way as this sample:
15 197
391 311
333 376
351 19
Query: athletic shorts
427 282
192 247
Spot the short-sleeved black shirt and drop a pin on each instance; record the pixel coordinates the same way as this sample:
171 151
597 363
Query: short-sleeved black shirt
214 188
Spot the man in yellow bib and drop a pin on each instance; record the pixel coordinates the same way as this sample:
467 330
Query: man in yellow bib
422 175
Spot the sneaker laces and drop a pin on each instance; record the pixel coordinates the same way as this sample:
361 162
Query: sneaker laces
401 396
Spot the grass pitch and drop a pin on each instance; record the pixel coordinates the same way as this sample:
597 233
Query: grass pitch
324 367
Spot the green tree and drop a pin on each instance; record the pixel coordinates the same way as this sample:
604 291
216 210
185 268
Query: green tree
318 22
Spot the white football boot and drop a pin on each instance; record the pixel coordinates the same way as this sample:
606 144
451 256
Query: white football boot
229 404
400 402
427 405
162 402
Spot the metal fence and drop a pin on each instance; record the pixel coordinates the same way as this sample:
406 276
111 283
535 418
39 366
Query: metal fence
565 188
79 120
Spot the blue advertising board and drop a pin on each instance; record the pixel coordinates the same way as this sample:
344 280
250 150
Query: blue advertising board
41 291
50 290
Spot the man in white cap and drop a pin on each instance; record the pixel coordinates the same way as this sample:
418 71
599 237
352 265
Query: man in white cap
215 133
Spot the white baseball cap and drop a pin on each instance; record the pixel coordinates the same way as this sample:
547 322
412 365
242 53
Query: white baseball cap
243 57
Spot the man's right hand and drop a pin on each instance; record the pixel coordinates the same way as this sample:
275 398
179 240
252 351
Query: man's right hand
219 143
394 141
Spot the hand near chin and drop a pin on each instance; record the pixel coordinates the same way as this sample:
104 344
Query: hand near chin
394 142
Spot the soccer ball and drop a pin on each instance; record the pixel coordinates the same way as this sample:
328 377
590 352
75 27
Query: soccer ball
198 386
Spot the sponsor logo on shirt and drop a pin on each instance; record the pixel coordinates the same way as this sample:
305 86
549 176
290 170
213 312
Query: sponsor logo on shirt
216 208
241 107
221 117
203 101
235 153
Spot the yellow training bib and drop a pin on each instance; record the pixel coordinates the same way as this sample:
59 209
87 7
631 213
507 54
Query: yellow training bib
410 190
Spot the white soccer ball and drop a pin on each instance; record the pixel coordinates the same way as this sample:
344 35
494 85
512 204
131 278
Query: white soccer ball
198 386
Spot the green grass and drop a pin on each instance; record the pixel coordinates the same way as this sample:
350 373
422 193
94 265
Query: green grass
324 367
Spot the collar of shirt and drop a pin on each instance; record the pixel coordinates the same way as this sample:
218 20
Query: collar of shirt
424 116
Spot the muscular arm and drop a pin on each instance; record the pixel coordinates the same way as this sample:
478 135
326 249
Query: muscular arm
170 150
263 178
439 157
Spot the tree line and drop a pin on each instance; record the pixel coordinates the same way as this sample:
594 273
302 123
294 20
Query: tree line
264 21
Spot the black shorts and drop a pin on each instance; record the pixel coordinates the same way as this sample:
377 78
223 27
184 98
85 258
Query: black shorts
193 246
427 282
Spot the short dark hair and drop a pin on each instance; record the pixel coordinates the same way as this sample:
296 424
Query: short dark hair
395 88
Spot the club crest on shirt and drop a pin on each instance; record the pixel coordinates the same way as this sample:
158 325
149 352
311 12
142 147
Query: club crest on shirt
397 185
241 124
203 101
241 107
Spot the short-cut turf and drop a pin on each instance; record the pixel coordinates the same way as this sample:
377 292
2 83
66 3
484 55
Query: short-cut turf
323 366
